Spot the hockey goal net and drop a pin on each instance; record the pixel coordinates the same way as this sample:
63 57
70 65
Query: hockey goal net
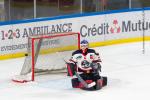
46 54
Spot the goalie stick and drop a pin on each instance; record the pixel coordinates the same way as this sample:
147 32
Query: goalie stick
80 78
82 81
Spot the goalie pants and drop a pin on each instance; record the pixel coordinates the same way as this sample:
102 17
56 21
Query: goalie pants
90 76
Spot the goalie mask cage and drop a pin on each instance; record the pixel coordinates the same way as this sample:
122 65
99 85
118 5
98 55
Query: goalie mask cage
46 54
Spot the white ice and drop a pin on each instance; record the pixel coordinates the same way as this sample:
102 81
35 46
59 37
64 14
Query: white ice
127 69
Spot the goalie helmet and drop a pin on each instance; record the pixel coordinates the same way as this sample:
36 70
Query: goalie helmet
84 43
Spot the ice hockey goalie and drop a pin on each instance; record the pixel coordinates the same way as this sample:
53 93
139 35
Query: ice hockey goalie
84 67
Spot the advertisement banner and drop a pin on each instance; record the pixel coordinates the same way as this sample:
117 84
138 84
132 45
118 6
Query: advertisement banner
96 28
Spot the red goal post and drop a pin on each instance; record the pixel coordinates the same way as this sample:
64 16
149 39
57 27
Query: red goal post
46 54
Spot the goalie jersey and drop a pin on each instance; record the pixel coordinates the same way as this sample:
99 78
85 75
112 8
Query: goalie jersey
84 59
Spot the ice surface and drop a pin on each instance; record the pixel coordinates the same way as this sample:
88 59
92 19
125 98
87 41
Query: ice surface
127 69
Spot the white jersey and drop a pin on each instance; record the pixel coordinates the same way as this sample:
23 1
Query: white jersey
83 61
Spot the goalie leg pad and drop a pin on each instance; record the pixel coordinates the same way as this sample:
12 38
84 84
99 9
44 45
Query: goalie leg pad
75 83
71 69
104 80
99 84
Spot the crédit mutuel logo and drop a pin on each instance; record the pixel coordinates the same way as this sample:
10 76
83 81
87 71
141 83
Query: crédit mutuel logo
129 26
115 27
